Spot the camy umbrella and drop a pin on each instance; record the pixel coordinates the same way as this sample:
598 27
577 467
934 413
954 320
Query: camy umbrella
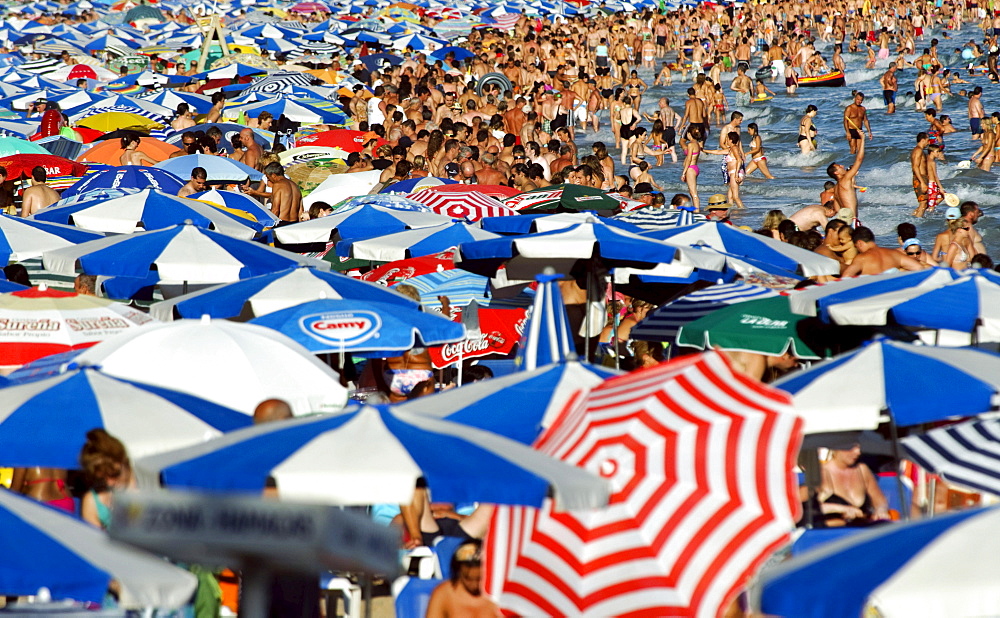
700 459
468 205
338 326
943 566
374 454
47 549
256 296
38 322
147 419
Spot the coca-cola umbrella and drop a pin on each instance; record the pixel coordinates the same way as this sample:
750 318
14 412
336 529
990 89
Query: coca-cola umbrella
401 270
469 205
700 459
489 332
19 165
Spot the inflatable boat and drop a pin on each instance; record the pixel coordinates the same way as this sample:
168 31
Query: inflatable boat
833 79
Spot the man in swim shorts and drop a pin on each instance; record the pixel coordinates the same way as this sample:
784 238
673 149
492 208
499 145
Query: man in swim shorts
855 122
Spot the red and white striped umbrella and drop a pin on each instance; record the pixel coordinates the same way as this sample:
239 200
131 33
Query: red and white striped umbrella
469 205
38 322
501 192
700 460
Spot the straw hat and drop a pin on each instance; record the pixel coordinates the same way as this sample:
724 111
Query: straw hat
845 214
718 202
951 200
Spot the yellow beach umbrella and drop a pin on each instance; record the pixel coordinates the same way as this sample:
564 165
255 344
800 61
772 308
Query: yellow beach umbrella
112 121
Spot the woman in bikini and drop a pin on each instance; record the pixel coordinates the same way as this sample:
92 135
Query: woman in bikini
692 141
849 494
132 154
733 169
807 130
106 466
757 159
960 250
46 485
656 145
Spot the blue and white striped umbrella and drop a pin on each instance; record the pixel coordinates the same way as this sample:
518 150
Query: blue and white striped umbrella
147 419
199 103
129 177
368 221
279 81
658 218
146 210
746 248
268 293
966 454
24 239
337 326
44 548
418 42
942 566
914 383
412 185
375 454
179 254
816 300
459 286
532 224
219 169
531 400
237 201
412 243
394 202
547 335
293 110
663 323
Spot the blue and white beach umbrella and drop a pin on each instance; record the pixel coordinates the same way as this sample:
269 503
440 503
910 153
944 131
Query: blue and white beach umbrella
147 210
24 239
914 383
531 399
663 323
535 223
293 110
130 177
817 300
659 218
183 253
335 326
375 454
547 336
368 221
412 243
237 201
36 430
942 566
44 548
218 169
257 296
966 454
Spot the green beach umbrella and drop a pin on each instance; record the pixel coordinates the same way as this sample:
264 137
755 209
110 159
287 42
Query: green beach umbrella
566 196
766 326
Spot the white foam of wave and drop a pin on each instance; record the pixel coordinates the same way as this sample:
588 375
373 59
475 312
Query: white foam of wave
816 158
857 76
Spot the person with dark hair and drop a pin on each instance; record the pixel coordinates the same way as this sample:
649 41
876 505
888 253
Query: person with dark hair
39 195
17 273
132 155
845 193
85 285
218 102
197 183
872 259
462 594
184 118
105 464
285 196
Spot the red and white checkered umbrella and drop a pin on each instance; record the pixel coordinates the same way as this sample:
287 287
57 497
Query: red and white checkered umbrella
469 205
700 460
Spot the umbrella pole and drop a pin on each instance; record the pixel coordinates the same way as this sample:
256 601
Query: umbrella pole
255 592
897 452
586 311
614 334
460 363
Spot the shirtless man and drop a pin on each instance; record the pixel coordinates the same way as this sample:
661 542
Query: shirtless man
197 183
741 86
735 119
845 194
39 195
184 119
872 259
695 113
856 117
285 196
889 85
253 150
976 112
814 216
462 595
918 165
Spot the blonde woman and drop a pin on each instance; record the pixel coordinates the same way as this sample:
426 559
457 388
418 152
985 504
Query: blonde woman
959 253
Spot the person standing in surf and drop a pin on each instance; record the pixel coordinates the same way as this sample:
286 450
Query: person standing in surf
845 193
856 122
